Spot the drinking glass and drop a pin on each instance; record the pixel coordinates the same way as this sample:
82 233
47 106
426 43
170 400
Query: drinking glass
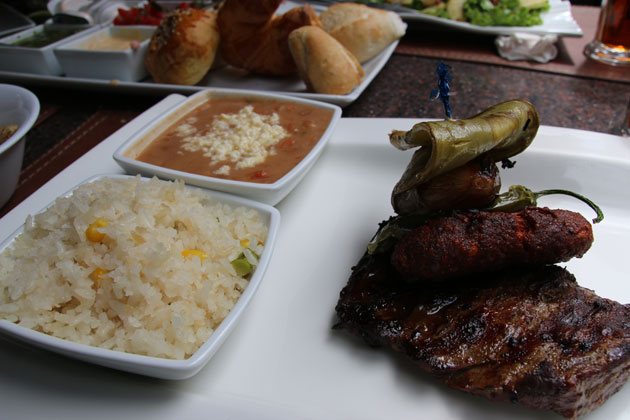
612 40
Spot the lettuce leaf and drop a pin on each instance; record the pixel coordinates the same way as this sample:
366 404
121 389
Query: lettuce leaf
505 13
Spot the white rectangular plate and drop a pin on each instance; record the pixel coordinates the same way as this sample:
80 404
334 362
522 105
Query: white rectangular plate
226 77
284 361
557 21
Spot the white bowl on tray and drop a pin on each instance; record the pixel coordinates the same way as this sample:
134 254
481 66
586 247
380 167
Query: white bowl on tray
82 58
42 60
20 107
164 368
270 193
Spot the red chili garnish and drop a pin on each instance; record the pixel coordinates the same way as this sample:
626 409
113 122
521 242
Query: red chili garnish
260 174
149 14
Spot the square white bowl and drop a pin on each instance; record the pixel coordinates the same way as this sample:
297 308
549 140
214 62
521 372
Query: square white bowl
124 65
35 60
155 366
266 193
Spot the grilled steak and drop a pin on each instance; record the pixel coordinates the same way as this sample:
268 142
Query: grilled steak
529 336
481 241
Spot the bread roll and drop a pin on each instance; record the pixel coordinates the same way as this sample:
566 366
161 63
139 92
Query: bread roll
364 31
183 47
323 63
254 38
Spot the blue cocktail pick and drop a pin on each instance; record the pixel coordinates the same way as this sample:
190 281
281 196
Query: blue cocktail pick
444 87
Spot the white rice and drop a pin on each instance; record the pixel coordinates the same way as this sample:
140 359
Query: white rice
151 299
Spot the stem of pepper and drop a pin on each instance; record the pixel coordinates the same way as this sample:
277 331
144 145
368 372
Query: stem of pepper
518 197
590 203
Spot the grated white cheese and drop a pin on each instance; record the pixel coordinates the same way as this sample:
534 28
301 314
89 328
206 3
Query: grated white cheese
244 139
187 128
223 170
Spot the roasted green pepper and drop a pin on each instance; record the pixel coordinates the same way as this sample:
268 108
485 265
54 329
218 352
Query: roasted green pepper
494 135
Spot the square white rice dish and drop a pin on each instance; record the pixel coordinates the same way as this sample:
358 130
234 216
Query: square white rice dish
146 267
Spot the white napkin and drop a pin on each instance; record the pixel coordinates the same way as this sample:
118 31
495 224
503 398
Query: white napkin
522 46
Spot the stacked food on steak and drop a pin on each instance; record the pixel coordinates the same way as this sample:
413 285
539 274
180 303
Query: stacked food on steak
472 295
